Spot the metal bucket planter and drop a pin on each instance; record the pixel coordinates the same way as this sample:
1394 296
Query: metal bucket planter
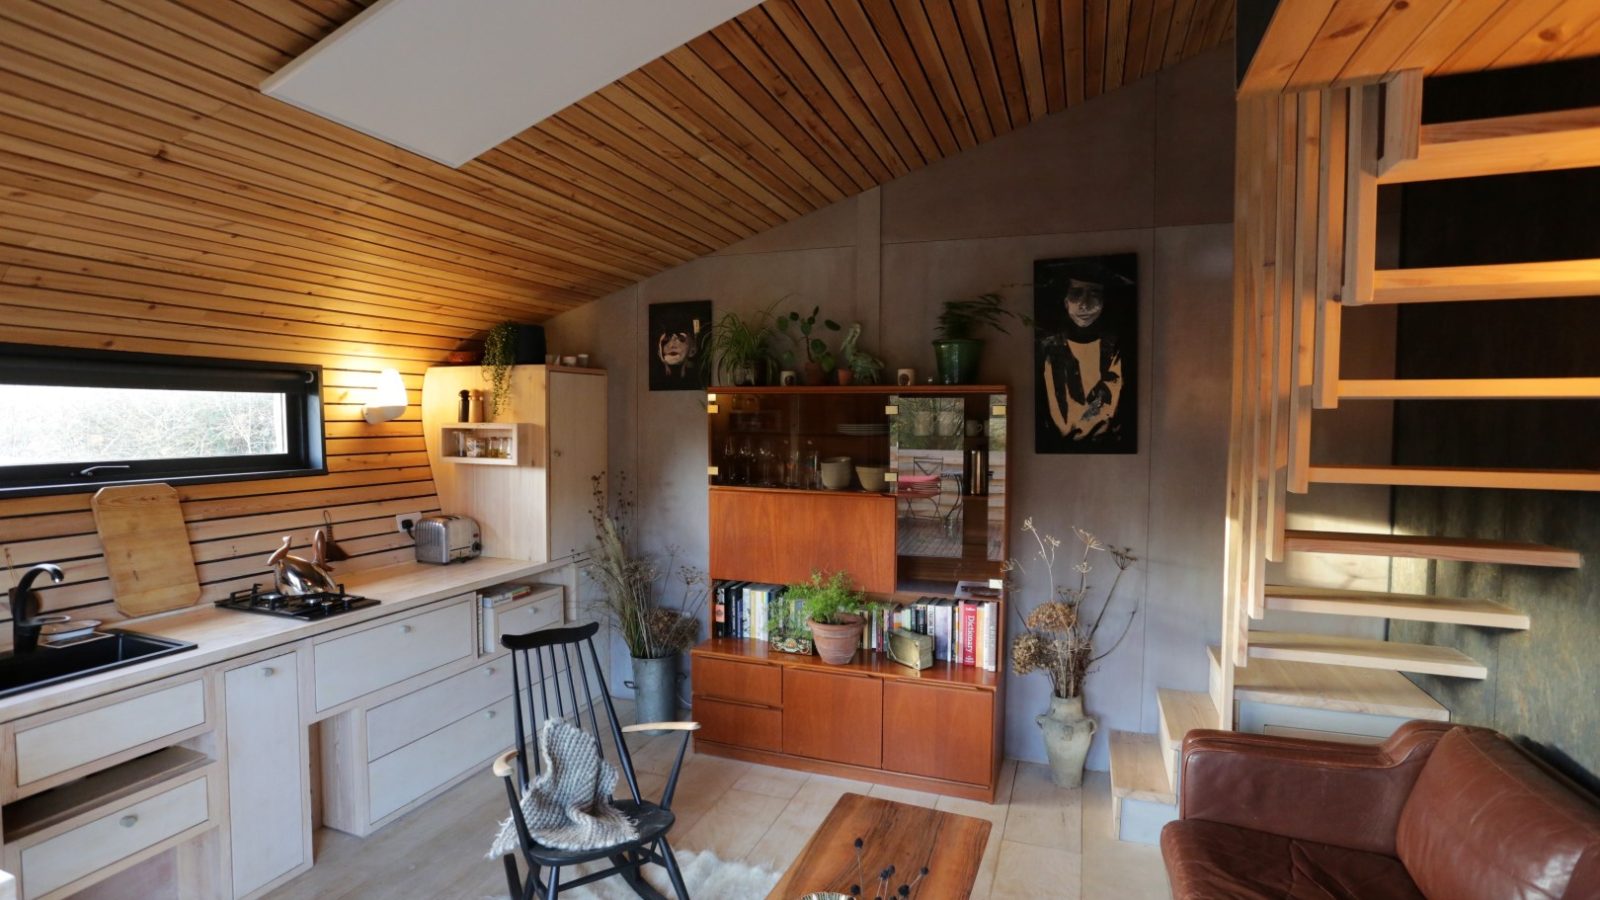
655 689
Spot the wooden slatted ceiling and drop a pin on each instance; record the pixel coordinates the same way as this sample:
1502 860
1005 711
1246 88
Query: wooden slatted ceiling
1318 42
152 199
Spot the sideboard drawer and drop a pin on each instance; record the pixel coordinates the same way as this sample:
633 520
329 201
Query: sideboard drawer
66 743
410 772
353 665
541 609
399 722
755 727
124 831
743 682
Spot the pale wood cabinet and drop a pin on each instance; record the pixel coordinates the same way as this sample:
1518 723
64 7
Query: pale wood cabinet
269 824
536 510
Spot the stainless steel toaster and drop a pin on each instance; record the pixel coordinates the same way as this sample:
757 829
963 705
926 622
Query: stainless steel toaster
443 539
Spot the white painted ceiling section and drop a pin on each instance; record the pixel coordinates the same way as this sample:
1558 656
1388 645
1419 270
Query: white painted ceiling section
449 79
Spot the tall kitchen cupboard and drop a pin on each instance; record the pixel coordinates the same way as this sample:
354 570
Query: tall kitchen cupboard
527 474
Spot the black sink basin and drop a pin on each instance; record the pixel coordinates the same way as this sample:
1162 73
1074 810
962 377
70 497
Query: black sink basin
100 652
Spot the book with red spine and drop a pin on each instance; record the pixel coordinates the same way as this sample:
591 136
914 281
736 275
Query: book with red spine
969 634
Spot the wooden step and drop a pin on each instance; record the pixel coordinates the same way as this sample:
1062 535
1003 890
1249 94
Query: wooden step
1376 692
1515 281
1470 550
1442 476
1410 607
1536 142
1365 653
1136 769
1468 388
1182 712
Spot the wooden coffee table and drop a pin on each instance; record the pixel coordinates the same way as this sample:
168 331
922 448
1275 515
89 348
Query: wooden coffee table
898 834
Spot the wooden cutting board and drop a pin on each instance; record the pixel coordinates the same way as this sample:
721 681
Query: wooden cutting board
147 548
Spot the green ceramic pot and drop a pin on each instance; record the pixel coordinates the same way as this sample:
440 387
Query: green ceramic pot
957 360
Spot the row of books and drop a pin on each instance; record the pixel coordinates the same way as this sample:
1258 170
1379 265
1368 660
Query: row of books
965 631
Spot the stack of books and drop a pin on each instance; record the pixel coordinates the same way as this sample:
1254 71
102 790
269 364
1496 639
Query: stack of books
965 632
754 610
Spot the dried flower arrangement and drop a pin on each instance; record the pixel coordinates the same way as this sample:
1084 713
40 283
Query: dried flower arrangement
1058 634
633 586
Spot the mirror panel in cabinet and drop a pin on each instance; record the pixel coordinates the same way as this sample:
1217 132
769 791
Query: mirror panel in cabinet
948 456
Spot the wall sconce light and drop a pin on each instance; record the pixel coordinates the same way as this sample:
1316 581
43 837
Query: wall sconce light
387 401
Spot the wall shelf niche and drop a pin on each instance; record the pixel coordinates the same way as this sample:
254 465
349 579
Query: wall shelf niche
485 443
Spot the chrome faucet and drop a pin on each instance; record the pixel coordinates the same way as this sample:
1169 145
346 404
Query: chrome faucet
25 619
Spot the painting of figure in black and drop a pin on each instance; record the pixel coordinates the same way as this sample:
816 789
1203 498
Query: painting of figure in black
675 358
1086 320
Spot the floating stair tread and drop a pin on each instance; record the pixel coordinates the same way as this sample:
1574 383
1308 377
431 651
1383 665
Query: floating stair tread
1182 712
1535 142
1137 772
1469 388
1377 692
1511 281
1383 605
1424 547
1440 476
1423 659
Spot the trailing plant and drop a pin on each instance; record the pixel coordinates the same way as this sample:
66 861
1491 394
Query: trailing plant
632 586
816 348
499 355
963 320
1058 634
827 600
737 343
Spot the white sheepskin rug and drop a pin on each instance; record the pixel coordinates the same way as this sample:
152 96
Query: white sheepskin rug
706 877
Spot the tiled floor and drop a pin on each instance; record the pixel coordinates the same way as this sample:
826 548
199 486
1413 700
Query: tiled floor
1046 841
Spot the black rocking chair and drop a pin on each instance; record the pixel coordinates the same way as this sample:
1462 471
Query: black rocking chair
547 663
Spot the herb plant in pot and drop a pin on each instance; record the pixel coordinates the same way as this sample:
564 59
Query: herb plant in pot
833 613
741 350
631 597
819 359
957 349
1058 638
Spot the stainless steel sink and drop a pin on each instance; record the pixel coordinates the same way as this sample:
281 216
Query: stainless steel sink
100 651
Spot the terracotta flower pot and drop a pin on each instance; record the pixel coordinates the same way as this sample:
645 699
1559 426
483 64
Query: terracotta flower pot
837 644
845 376
813 374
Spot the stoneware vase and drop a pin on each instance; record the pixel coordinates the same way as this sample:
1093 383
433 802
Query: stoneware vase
1067 733
655 689
837 644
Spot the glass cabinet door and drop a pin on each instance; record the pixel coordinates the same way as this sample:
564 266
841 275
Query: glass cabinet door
799 441
947 453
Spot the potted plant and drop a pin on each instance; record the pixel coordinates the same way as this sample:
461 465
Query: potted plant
833 612
957 349
631 592
819 359
740 349
499 355
1058 639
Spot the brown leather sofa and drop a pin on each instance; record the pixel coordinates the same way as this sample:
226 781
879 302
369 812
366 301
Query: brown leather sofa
1436 811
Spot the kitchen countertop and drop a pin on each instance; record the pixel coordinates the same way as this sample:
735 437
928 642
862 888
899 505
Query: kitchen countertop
223 634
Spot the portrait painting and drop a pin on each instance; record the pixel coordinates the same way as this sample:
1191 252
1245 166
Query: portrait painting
1086 350
675 358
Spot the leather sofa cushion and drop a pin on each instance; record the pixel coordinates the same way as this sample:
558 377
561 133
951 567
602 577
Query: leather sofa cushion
1486 821
1211 860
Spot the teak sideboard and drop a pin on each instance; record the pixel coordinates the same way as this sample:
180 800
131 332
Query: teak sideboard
940 518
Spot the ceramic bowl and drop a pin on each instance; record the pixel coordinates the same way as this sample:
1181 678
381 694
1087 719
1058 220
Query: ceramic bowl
871 477
836 473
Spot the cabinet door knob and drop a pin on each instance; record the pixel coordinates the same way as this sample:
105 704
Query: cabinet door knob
556 453
268 671
405 629
128 821
489 714
488 670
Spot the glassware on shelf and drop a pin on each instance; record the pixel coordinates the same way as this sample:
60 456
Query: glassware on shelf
768 464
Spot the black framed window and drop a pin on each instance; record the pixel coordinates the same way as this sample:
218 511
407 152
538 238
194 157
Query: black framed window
78 420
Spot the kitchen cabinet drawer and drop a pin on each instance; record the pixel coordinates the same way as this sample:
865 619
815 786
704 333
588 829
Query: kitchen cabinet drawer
755 727
71 741
743 682
399 722
356 664
419 767
531 613
120 833
939 732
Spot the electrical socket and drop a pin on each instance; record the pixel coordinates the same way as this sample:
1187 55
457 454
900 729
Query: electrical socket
404 522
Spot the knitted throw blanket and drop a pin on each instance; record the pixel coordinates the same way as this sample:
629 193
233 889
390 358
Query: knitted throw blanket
568 806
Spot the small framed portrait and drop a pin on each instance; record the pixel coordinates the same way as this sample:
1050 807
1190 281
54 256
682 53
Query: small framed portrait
674 345
1086 345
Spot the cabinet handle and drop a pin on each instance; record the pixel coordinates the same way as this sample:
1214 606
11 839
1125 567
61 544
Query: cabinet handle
556 453
489 714
128 821
268 671
488 670
405 629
